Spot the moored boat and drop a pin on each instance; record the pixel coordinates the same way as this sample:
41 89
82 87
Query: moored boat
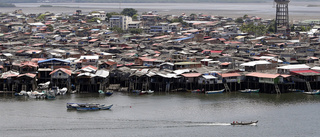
250 91
244 123
197 91
136 91
109 93
105 107
142 92
62 91
32 94
21 93
314 92
101 92
150 91
215 91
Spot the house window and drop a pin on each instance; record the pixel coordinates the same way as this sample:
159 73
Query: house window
59 74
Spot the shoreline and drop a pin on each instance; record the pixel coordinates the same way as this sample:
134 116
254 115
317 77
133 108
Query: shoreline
297 10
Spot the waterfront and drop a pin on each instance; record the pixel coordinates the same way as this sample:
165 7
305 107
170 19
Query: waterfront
160 114
297 10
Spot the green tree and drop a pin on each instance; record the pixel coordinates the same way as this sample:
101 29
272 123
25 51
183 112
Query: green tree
109 15
239 20
135 30
193 16
117 29
257 30
308 28
94 19
135 17
129 12
41 17
271 27
179 20
245 16
292 28
50 27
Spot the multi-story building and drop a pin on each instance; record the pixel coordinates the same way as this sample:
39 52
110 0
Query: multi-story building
99 14
134 25
161 27
120 21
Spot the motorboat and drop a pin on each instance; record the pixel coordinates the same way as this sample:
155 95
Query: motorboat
244 123
215 91
250 91
88 106
314 92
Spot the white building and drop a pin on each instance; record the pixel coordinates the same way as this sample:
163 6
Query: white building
120 21
134 25
297 67
100 14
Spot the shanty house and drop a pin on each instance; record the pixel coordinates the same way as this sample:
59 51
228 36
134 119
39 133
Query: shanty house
288 68
61 77
254 66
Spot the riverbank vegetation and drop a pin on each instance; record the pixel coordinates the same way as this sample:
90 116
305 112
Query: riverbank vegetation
46 6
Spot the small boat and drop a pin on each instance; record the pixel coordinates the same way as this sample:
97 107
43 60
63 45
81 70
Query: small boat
105 107
295 90
50 94
88 106
215 91
73 92
142 92
62 91
197 91
40 96
109 93
136 91
314 92
250 91
244 123
32 94
150 91
44 85
21 93
73 105
101 92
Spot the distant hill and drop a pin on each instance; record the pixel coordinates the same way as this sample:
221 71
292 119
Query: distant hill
140 1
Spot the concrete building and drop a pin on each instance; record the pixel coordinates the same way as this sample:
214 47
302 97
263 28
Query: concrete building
120 21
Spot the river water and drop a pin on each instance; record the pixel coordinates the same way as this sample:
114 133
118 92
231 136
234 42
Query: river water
166 115
161 114
297 10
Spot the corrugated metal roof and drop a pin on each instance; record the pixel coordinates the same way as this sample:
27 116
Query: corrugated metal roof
102 73
253 63
54 59
306 72
297 66
63 70
225 75
262 75
191 75
28 75
209 77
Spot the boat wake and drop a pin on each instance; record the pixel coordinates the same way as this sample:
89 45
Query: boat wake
212 124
